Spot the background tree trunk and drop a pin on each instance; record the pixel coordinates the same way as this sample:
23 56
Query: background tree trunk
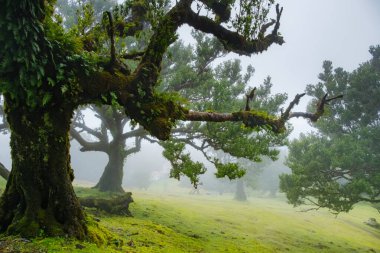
240 191
4 173
39 198
112 177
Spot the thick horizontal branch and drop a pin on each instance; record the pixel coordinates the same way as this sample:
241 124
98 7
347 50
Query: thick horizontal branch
133 133
87 129
86 145
250 119
233 41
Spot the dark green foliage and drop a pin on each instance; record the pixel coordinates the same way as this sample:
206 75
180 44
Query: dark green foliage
221 88
252 14
182 165
339 166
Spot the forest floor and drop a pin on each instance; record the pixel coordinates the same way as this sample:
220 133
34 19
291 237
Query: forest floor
179 222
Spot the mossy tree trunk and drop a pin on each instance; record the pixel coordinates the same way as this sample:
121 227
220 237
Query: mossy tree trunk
4 173
39 198
240 191
112 177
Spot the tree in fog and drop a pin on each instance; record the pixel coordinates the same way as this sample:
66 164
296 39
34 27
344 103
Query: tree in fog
188 70
46 72
4 172
110 138
340 164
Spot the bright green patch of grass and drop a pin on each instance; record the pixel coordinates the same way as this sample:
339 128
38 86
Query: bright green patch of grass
202 223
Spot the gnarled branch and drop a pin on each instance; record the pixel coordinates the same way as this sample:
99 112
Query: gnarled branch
319 112
87 145
233 41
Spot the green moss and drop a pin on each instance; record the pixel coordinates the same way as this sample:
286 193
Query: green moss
177 222
98 234
25 227
157 114
260 119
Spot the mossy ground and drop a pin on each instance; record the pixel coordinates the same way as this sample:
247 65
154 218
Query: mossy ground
179 222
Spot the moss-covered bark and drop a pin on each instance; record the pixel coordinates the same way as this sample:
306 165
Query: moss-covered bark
118 205
112 177
39 198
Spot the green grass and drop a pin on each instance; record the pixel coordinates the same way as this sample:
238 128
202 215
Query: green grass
204 223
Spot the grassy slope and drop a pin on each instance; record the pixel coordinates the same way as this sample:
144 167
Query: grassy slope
184 223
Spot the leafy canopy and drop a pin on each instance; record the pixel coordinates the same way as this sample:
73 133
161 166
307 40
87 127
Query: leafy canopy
340 165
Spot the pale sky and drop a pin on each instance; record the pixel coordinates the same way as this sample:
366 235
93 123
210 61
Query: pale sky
314 31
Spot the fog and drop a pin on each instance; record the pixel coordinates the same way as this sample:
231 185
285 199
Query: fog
340 31
314 188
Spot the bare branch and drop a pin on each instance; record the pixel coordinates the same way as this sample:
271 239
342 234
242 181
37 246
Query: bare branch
87 129
86 145
249 97
250 119
319 112
137 132
136 148
233 41
296 100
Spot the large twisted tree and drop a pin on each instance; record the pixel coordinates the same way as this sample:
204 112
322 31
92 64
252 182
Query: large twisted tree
47 72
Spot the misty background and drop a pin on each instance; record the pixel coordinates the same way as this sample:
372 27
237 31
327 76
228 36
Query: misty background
314 31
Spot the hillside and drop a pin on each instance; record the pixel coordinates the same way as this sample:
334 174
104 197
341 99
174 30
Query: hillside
212 223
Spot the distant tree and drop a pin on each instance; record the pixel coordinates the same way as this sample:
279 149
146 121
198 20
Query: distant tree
111 139
268 182
340 165
46 72
3 121
4 172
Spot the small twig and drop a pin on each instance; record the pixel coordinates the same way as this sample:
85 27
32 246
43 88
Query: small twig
266 26
279 13
312 116
286 115
249 97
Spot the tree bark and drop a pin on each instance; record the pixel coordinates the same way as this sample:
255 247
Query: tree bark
118 205
4 173
39 198
240 194
112 177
